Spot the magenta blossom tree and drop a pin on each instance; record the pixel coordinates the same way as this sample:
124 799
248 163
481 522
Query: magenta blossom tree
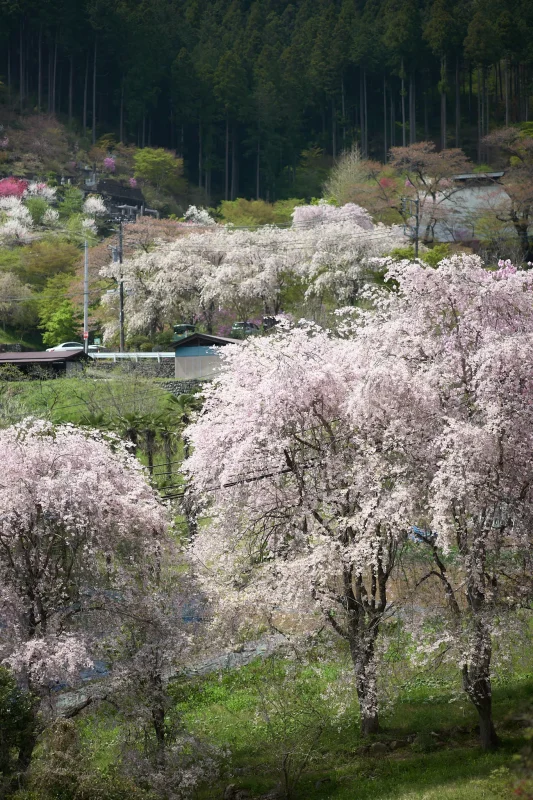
81 535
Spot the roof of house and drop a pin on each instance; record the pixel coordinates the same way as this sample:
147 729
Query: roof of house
478 176
197 339
119 191
42 357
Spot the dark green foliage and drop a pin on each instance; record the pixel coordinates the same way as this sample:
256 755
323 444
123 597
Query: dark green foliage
59 318
16 724
64 773
241 90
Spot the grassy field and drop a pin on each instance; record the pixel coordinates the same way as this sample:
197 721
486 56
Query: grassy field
443 761
81 398
262 718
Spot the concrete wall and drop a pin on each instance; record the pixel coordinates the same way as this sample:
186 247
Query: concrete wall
148 367
196 367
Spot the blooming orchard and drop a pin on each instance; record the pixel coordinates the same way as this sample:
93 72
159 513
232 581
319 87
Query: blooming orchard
319 455
327 251
21 220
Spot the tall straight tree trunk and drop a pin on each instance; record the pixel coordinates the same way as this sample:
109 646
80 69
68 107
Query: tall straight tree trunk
402 93
40 70
443 142
470 94
9 73
200 155
385 148
121 118
234 164
143 136
71 88
54 78
94 91
343 112
365 87
457 103
392 121
479 115
258 167
50 91
85 88
518 93
226 186
333 129
486 101
412 109
364 114
21 66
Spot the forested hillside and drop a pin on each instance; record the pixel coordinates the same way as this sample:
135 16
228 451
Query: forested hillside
248 91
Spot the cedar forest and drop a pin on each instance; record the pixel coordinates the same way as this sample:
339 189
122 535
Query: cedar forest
243 91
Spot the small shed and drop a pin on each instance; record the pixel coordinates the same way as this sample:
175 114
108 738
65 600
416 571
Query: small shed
67 362
198 356
118 195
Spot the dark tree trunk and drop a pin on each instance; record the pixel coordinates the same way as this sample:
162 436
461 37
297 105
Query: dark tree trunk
121 119
258 167
54 78
226 186
343 112
412 109
333 129
200 155
362 114
9 73
85 87
150 437
457 104
443 141
476 683
385 148
70 88
21 66
479 115
234 164
362 652
40 71
392 121
402 94
94 91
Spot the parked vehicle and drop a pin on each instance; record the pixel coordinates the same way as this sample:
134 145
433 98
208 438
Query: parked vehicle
239 330
182 330
65 346
93 348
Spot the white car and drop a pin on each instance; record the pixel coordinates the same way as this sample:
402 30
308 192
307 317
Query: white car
93 348
65 346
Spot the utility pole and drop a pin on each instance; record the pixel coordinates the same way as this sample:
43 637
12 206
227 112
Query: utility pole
86 298
121 285
411 206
